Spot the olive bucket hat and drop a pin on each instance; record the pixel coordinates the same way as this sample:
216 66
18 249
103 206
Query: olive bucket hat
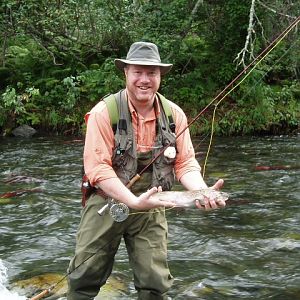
144 54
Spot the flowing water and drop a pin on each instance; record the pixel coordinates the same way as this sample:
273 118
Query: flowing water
250 249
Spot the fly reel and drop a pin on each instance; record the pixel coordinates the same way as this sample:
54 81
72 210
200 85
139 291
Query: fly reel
119 212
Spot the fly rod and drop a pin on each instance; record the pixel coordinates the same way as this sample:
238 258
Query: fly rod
220 96
253 64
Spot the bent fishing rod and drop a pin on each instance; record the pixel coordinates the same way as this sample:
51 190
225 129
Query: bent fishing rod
220 96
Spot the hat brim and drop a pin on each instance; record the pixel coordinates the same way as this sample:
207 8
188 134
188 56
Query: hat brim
121 63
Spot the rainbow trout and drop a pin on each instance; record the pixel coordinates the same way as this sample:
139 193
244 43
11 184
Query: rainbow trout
188 198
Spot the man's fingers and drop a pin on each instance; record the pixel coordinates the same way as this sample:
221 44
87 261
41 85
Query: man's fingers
218 185
208 204
221 203
213 204
201 204
152 191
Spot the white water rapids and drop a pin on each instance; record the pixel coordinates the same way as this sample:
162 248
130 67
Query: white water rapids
4 292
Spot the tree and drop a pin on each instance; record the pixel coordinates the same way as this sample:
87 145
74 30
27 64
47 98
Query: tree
65 51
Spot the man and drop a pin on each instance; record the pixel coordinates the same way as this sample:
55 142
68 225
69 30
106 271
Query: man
111 158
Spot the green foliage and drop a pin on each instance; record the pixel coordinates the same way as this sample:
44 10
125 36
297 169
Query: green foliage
266 109
97 82
72 94
57 60
19 107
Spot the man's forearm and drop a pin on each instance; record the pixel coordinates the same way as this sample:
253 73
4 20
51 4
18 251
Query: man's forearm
115 189
193 181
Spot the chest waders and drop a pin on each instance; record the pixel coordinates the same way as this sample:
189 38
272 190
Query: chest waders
145 234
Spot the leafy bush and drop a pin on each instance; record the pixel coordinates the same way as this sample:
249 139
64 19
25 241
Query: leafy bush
57 60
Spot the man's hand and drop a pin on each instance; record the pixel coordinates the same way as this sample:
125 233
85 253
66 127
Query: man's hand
145 201
210 203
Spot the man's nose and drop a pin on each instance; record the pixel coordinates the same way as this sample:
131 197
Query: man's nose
145 77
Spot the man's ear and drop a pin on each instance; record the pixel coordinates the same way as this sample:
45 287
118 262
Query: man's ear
125 71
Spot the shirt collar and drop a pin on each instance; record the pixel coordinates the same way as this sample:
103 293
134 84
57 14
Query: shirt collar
156 106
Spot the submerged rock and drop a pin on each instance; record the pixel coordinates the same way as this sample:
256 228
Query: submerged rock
24 131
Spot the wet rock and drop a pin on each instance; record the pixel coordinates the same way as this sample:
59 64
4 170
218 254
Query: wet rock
58 286
24 131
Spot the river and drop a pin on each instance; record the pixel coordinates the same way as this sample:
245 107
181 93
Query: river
249 250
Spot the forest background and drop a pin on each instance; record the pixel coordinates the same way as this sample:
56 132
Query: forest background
57 60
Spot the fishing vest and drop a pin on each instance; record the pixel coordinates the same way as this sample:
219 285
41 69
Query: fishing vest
126 161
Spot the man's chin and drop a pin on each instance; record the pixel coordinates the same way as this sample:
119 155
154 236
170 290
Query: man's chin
145 95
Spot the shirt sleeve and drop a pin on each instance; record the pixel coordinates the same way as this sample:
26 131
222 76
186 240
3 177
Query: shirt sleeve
185 159
99 145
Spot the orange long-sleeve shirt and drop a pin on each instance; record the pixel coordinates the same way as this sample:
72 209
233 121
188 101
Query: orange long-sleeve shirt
99 141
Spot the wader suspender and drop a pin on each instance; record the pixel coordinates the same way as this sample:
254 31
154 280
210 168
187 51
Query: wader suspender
114 114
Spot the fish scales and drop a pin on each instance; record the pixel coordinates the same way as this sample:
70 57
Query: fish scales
188 198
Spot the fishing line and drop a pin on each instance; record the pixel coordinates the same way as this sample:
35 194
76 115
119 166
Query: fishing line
258 60
250 90
253 64
270 48
150 212
202 140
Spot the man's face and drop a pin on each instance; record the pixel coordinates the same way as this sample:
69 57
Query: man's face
142 82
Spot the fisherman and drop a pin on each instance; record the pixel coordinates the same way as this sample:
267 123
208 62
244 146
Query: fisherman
112 156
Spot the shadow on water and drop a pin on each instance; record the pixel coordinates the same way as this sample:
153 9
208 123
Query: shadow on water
250 249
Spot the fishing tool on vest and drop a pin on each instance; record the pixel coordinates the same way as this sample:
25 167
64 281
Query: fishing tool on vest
170 152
